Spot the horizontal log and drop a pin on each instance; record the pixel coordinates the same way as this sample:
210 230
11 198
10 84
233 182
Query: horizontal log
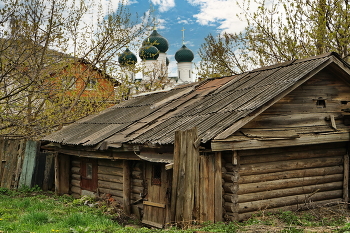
322 171
111 178
304 206
229 197
231 217
290 191
283 156
75 163
231 168
263 168
110 170
75 170
135 197
114 192
110 185
230 187
231 207
109 163
287 183
286 201
76 189
137 175
137 190
231 177
75 183
76 177
137 182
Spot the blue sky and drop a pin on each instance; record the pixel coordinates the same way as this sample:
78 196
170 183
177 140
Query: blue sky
198 17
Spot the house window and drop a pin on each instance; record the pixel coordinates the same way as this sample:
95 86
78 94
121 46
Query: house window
320 103
91 83
68 83
88 174
157 174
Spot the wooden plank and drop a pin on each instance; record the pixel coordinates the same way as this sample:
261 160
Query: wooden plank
154 224
217 188
126 187
118 193
29 162
346 179
149 203
49 171
303 140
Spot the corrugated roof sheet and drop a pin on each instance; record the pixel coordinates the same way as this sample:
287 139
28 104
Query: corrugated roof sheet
212 105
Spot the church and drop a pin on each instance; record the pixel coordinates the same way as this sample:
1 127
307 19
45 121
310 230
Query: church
154 61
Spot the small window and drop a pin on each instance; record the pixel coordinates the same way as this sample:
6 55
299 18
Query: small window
88 174
68 83
344 102
157 174
320 103
91 84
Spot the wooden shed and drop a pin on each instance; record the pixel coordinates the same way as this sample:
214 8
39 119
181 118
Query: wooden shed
272 138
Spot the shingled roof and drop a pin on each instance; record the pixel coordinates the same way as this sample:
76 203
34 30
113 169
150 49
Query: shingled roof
217 107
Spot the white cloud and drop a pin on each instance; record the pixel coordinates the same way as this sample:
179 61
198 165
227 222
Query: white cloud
223 12
164 5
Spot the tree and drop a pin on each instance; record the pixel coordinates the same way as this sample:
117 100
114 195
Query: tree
42 40
280 31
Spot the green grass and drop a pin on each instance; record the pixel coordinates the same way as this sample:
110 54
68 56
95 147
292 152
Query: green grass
30 210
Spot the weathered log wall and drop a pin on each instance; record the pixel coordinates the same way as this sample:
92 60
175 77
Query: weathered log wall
300 107
75 179
110 181
291 177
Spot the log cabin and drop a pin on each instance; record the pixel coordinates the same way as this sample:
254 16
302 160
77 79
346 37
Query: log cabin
274 138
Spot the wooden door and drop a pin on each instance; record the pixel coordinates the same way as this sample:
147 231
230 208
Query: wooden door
88 174
156 202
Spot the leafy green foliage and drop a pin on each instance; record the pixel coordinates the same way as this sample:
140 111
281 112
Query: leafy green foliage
278 31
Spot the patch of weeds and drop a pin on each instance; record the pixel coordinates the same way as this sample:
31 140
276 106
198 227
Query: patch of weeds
5 191
36 218
26 189
292 230
219 227
345 228
289 217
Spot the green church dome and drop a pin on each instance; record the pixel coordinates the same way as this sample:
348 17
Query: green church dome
127 58
149 52
158 41
184 55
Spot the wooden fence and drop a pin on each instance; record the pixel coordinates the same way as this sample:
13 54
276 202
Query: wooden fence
23 164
